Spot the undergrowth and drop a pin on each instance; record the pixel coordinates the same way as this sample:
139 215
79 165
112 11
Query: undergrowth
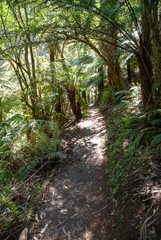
26 148
132 133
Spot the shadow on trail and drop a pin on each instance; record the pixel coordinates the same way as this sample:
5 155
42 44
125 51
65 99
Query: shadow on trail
74 206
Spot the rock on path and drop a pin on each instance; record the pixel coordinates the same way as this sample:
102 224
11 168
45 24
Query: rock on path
75 203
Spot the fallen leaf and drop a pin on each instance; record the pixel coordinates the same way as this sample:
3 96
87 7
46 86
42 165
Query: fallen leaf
44 229
42 215
24 234
37 218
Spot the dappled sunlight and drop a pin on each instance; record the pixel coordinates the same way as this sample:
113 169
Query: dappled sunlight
152 191
92 138
85 124
53 191
56 198
75 199
150 194
67 210
88 235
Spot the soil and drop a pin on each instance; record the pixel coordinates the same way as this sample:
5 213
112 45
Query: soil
75 204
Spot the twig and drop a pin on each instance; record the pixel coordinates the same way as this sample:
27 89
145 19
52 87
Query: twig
64 231
148 225
32 176
143 233
100 210
132 174
152 131
59 225
67 198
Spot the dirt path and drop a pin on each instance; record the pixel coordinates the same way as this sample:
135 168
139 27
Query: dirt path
75 203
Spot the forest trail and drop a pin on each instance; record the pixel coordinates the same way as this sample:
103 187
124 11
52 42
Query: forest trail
74 205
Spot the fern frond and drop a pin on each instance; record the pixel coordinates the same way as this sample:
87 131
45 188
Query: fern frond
156 140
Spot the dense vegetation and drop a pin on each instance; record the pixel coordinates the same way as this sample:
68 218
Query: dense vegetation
56 57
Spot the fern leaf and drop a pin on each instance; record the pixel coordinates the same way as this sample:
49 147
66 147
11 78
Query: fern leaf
156 122
155 140
86 59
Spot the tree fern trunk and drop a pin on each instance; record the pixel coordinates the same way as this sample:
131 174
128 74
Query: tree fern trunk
74 102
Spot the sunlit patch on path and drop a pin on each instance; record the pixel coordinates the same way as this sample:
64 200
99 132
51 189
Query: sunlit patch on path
73 201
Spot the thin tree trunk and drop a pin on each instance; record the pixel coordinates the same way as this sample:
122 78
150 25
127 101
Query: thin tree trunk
1 112
89 98
101 83
129 70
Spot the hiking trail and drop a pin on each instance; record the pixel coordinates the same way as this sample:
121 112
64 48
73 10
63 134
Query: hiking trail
74 205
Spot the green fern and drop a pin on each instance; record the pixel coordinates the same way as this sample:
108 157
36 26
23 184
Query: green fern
156 122
138 139
156 140
5 175
127 120
86 59
12 207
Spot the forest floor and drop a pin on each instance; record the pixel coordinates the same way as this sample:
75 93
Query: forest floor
75 203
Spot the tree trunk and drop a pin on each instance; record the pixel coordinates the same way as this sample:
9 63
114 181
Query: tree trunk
113 67
109 76
129 71
156 47
1 112
71 91
101 83
145 72
84 96
145 64
58 107
75 103
89 98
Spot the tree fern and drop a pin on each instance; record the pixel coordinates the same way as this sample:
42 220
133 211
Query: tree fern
86 59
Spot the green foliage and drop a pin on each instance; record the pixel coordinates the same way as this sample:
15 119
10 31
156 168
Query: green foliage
93 81
115 97
10 215
126 137
86 59
127 120
156 122
105 98
48 146
34 84
11 206
156 140
26 145
119 95
5 176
